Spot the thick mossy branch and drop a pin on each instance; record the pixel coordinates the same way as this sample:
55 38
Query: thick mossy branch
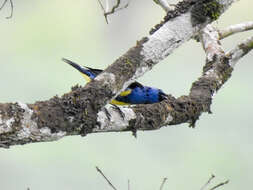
149 51
82 111
203 89
67 115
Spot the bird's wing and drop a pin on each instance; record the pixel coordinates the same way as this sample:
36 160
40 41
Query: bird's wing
135 84
129 89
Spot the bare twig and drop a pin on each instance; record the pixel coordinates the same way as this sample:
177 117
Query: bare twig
5 1
11 3
102 7
114 9
105 178
233 29
208 182
216 186
219 185
11 10
163 182
120 8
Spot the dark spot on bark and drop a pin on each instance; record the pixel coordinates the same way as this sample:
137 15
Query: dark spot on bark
245 48
205 9
184 109
154 115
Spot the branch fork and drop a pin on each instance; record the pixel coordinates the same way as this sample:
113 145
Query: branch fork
82 111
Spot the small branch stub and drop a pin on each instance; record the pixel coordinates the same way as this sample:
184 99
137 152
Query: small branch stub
234 29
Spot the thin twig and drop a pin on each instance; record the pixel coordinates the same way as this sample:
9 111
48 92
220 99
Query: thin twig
233 29
102 7
5 1
128 184
11 3
163 182
11 10
208 182
114 9
106 178
219 185
124 7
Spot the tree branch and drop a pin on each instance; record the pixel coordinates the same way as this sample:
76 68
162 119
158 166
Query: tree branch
82 111
240 50
242 27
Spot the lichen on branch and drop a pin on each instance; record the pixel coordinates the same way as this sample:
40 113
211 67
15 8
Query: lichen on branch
82 110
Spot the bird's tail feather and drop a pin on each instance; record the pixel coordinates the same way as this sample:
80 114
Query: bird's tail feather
75 65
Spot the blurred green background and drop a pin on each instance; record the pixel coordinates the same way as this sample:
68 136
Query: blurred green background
41 32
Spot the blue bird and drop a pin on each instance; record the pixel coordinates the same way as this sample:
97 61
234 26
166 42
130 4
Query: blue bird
135 93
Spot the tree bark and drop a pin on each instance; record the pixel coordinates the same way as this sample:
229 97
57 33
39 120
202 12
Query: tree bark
83 110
